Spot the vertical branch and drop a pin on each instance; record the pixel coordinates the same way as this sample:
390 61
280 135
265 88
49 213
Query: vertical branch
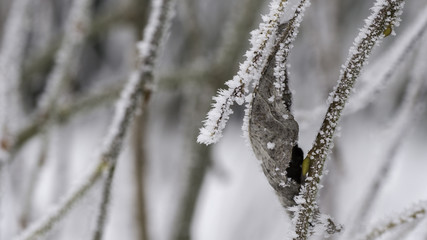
200 160
75 32
105 202
33 180
262 41
11 56
142 83
140 171
385 16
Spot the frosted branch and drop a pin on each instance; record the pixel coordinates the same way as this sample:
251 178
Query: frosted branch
105 203
285 38
399 127
124 111
390 62
262 41
11 56
416 213
385 16
75 32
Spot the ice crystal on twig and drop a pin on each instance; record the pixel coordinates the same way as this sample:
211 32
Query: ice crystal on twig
262 41
390 63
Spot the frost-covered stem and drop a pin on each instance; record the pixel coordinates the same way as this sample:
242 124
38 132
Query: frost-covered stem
385 15
408 216
11 56
271 99
105 202
140 85
44 225
398 129
400 50
75 31
262 42
124 111
34 177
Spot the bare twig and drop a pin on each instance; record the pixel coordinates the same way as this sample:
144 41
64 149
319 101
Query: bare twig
140 171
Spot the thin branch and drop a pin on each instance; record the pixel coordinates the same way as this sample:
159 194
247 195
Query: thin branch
75 32
140 171
33 180
385 16
378 74
391 61
105 202
198 165
262 44
148 48
124 111
408 216
272 130
11 57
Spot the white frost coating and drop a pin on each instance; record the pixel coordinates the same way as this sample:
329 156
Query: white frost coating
122 106
11 54
281 57
280 70
75 32
262 41
384 14
270 145
146 47
35 230
416 212
378 75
